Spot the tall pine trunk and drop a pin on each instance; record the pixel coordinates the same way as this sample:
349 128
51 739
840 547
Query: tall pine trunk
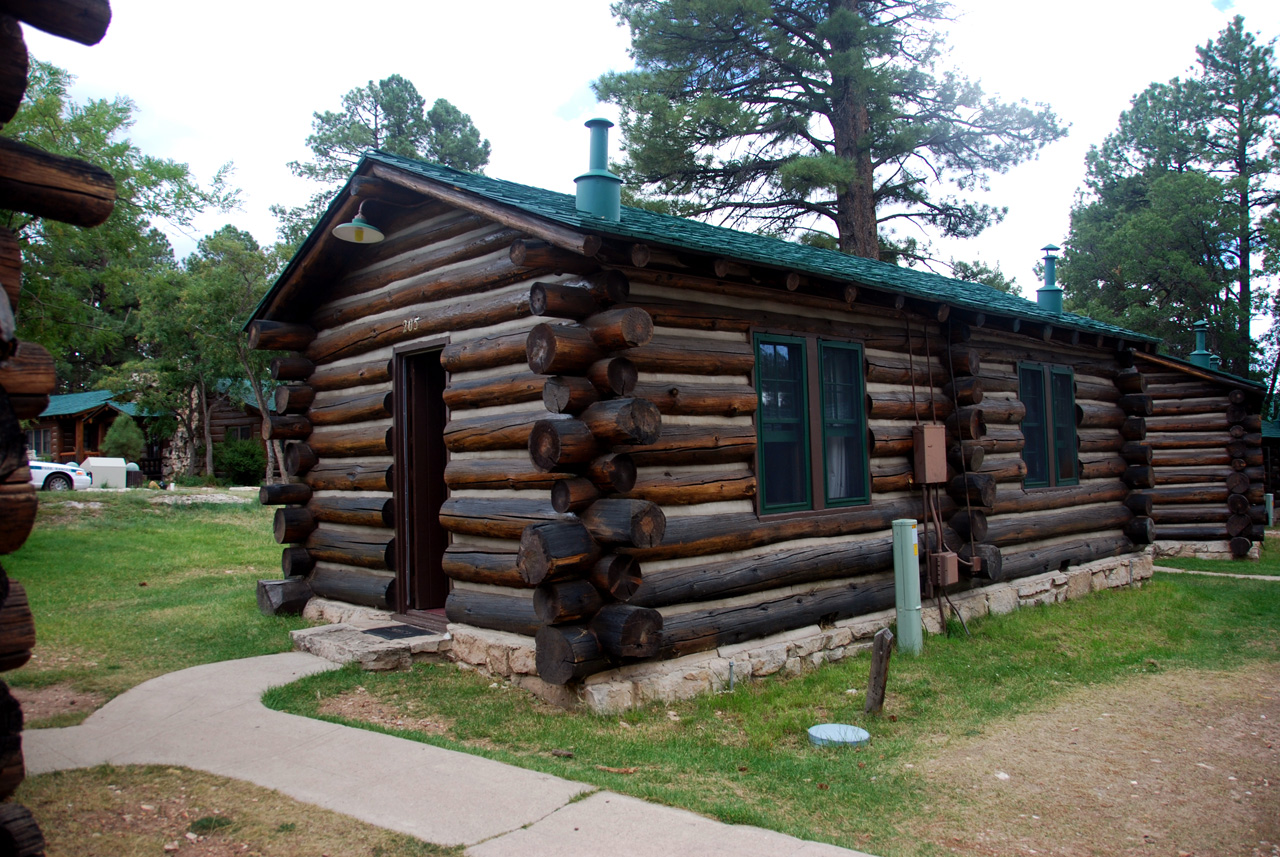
851 134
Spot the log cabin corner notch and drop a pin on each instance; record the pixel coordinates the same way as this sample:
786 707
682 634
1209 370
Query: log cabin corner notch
640 439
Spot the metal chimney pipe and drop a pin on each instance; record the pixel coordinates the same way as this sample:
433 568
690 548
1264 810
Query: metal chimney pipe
599 191
1049 297
1200 357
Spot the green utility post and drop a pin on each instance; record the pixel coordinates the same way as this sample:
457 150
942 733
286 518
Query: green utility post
906 577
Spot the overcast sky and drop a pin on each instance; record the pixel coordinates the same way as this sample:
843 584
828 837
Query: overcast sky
238 81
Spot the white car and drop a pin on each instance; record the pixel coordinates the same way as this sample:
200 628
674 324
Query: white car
59 477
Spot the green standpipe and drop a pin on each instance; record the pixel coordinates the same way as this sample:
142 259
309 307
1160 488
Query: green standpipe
906 577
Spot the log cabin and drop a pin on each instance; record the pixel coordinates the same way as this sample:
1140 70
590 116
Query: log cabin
634 439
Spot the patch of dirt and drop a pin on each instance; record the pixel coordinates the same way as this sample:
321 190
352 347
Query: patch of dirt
189 499
1180 763
42 703
359 704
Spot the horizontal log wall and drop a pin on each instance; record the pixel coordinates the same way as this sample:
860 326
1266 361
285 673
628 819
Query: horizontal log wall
1206 457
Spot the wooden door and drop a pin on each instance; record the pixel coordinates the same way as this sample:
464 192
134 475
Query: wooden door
421 584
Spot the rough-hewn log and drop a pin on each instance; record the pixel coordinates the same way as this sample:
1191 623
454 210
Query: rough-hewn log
1183 407
349 476
965 361
1140 504
1142 531
343 441
286 597
635 523
699 535
516 473
881 369
617 575
623 421
52 186
970 524
28 371
1237 483
1136 405
692 356
578 298
1240 546
299 458
560 443
493 432
556 549
1214 474
1008 531
498 517
967 423
296 561
286 493
1137 453
485 353
1011 499
83 21
287 427
292 524
904 406
989 564
294 399
267 335
362 511
688 489
352 409
699 444
1188 440
965 457
349 375
699 630
613 472
1239 525
1024 562
532 253
1003 411
568 652
561 349
17 628
1238 503
1098 440
568 394
978 489
1091 415
890 440
20 835
573 495
965 391
1000 439
1130 381
627 630
361 337
494 610
1189 422
1190 494
1139 476
625 327
10 267
1103 391
613 376
773 570
494 391
1210 513
366 550
493 566
566 601
699 399
1133 428
291 369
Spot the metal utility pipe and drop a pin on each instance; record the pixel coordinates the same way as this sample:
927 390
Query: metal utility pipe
906 577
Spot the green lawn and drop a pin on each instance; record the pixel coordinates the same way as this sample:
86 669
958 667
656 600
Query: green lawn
744 757
1268 563
125 589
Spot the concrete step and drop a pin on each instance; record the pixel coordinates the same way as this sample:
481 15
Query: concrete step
375 646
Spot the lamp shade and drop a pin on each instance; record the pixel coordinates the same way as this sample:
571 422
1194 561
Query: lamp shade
358 230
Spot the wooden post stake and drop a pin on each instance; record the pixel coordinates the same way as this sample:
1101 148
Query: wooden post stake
881 649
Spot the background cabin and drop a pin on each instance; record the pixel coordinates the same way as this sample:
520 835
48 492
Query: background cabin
73 425
634 437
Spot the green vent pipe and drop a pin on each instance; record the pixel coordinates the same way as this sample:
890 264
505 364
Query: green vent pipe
906 588
599 191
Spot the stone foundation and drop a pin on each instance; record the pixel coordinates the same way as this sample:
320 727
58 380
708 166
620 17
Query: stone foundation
1202 550
512 656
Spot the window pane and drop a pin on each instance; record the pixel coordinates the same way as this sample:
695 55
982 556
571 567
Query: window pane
1034 429
844 425
1064 426
784 460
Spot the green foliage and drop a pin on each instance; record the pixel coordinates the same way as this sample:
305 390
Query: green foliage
243 461
81 287
795 116
390 115
1180 201
209 824
124 439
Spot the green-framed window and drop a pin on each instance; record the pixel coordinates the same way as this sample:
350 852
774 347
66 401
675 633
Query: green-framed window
1049 427
811 424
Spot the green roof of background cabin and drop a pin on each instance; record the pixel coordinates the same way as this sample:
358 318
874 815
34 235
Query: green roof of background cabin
680 233
69 404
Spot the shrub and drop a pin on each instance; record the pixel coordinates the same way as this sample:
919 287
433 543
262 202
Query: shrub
243 461
124 439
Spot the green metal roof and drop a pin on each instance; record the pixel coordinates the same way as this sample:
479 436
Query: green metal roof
78 403
1271 429
660 229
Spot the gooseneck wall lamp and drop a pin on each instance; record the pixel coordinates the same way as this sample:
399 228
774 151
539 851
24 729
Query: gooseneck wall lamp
359 230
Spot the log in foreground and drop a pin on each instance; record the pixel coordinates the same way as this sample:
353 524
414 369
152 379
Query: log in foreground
564 601
493 610
568 652
1037 560
286 597
54 187
555 549
635 523
367 588
627 631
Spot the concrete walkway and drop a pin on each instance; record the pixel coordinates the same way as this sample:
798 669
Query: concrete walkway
1168 570
210 718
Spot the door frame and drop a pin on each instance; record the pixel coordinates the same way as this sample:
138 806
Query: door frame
402 479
